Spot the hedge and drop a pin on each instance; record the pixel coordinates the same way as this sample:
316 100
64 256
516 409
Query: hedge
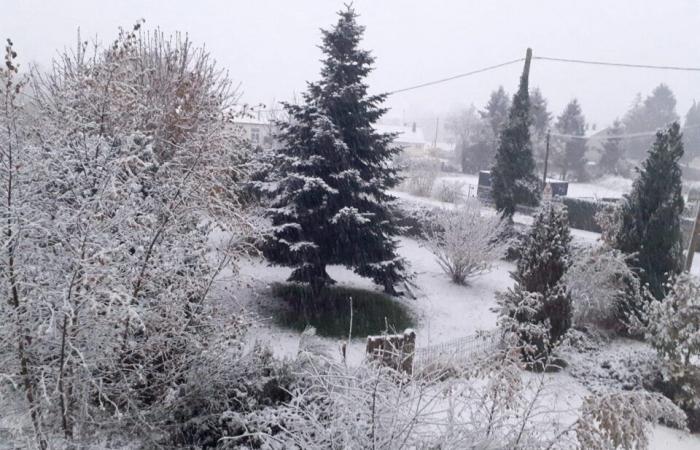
582 213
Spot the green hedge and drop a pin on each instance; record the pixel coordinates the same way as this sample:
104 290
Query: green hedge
582 213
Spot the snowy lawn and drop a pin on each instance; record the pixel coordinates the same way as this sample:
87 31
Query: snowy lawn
444 312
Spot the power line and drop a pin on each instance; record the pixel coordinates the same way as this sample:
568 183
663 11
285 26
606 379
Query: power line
616 64
618 136
454 77
546 58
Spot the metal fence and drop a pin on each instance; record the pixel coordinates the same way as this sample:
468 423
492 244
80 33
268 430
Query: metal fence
458 352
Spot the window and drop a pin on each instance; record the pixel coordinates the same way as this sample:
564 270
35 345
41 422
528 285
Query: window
255 135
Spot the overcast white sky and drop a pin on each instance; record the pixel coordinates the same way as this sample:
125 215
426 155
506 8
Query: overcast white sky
269 46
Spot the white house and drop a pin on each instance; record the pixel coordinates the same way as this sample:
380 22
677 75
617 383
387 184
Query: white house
410 138
259 130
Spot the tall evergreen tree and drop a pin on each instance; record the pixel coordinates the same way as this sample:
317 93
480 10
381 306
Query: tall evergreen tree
538 308
657 110
572 156
540 118
650 227
691 133
332 171
613 150
496 110
513 179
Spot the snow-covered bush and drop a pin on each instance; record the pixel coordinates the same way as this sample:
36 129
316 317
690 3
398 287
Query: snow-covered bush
420 176
674 331
609 220
619 420
604 290
538 308
110 190
413 219
674 323
449 191
465 241
491 404
217 395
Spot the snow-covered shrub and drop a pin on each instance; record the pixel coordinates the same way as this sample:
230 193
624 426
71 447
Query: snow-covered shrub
674 323
412 219
219 392
126 164
420 176
604 290
619 420
465 241
609 219
538 308
449 191
488 405
674 331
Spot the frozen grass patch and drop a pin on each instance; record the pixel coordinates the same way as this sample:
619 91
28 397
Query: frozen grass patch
329 313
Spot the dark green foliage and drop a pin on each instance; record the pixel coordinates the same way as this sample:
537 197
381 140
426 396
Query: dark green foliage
658 110
513 174
203 410
582 213
331 175
572 153
538 309
329 311
650 228
613 151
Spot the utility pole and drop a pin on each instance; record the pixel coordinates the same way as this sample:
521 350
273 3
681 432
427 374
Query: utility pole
526 69
546 160
693 239
437 127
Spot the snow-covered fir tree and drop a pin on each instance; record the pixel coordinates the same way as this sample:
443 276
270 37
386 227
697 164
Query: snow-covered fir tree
650 228
330 202
538 308
513 177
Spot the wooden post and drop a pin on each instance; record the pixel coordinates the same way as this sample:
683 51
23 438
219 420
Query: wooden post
693 240
393 350
437 127
526 68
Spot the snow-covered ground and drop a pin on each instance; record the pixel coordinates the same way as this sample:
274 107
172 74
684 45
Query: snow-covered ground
606 187
444 312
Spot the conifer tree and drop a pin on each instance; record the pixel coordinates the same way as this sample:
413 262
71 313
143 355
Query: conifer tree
513 179
572 158
656 111
332 171
650 227
538 308
539 114
613 151
496 110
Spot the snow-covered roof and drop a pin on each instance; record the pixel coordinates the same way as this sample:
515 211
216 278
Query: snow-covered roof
406 134
252 121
